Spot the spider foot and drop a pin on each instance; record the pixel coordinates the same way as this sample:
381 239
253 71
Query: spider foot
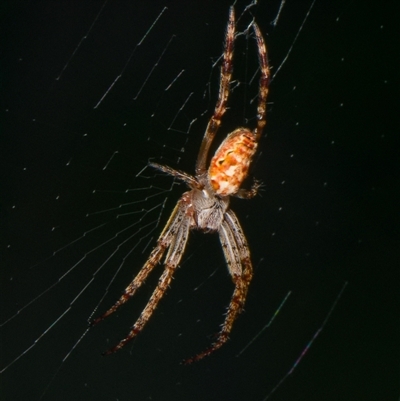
255 188
100 318
122 343
197 357
95 321
125 297
218 344
250 193
109 351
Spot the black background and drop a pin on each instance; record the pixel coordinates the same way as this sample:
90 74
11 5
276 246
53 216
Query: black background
332 138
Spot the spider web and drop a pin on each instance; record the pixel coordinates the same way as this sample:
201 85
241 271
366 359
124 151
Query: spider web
96 90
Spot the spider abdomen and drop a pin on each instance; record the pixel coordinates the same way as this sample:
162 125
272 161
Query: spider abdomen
230 164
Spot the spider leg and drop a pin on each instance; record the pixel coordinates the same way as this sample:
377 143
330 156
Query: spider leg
237 256
264 83
249 193
171 229
188 179
174 255
220 108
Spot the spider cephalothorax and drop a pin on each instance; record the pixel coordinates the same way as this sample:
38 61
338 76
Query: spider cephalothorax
205 206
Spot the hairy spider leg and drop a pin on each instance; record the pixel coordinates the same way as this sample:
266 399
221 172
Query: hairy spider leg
174 255
165 240
180 175
225 78
232 238
264 83
261 107
237 256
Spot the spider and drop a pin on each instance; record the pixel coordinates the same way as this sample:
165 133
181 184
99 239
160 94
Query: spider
205 206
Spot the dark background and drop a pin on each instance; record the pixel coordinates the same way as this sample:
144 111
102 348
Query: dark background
328 213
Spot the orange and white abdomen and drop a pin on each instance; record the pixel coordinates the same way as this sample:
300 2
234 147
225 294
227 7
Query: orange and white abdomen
230 164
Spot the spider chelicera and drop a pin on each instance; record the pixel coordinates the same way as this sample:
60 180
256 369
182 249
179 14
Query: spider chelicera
205 206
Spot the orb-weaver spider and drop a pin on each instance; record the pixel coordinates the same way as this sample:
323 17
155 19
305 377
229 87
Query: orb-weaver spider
205 206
